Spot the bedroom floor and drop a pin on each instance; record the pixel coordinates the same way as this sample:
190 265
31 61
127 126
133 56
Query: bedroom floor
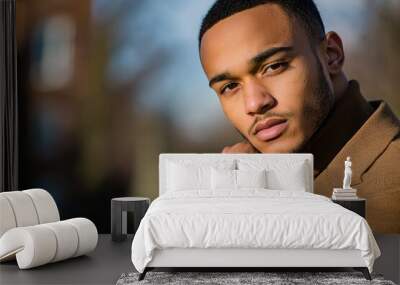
106 264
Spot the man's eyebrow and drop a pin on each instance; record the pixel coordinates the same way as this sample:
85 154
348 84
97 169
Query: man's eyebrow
257 60
221 77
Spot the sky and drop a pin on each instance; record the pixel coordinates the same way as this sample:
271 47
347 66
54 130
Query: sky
180 87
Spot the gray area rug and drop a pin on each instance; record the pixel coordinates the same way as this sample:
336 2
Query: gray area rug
229 278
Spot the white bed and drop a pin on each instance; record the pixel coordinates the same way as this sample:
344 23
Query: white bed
248 226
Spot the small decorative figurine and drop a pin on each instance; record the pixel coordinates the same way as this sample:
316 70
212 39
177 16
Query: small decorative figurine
347 174
347 192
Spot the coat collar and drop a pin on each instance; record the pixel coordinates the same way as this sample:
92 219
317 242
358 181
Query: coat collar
367 143
347 116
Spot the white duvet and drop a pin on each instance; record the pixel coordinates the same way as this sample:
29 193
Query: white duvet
251 218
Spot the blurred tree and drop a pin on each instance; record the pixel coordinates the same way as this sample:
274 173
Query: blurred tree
376 60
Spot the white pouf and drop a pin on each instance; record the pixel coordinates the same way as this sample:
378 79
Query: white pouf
7 219
67 239
32 233
40 244
23 208
87 233
32 246
45 205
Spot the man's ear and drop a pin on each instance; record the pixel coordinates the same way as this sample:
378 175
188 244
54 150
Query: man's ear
334 53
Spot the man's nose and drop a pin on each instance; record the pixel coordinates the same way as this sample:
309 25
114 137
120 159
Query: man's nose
257 99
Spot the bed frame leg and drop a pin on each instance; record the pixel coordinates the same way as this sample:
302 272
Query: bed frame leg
364 271
143 274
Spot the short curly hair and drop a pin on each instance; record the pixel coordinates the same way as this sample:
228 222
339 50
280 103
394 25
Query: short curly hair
304 10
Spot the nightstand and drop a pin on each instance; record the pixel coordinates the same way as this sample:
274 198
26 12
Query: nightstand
356 205
119 209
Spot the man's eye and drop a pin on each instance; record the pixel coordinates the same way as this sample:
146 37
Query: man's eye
229 87
275 67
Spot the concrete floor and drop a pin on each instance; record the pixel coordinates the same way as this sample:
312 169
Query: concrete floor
110 259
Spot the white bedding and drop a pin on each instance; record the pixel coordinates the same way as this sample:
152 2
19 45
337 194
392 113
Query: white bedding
251 218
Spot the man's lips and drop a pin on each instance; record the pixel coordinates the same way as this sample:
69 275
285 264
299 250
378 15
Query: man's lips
270 129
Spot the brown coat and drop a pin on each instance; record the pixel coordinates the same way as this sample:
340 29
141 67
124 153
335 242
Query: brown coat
375 152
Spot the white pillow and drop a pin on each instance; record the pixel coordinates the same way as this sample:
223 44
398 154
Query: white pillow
236 179
251 178
223 179
293 178
189 175
281 174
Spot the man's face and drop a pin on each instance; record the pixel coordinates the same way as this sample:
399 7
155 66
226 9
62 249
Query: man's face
263 68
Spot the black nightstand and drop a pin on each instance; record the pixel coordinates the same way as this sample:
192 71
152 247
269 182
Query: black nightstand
356 205
119 209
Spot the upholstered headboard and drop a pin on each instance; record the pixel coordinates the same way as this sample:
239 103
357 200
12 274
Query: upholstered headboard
307 158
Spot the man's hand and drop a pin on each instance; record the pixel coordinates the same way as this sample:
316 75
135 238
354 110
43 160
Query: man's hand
242 147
